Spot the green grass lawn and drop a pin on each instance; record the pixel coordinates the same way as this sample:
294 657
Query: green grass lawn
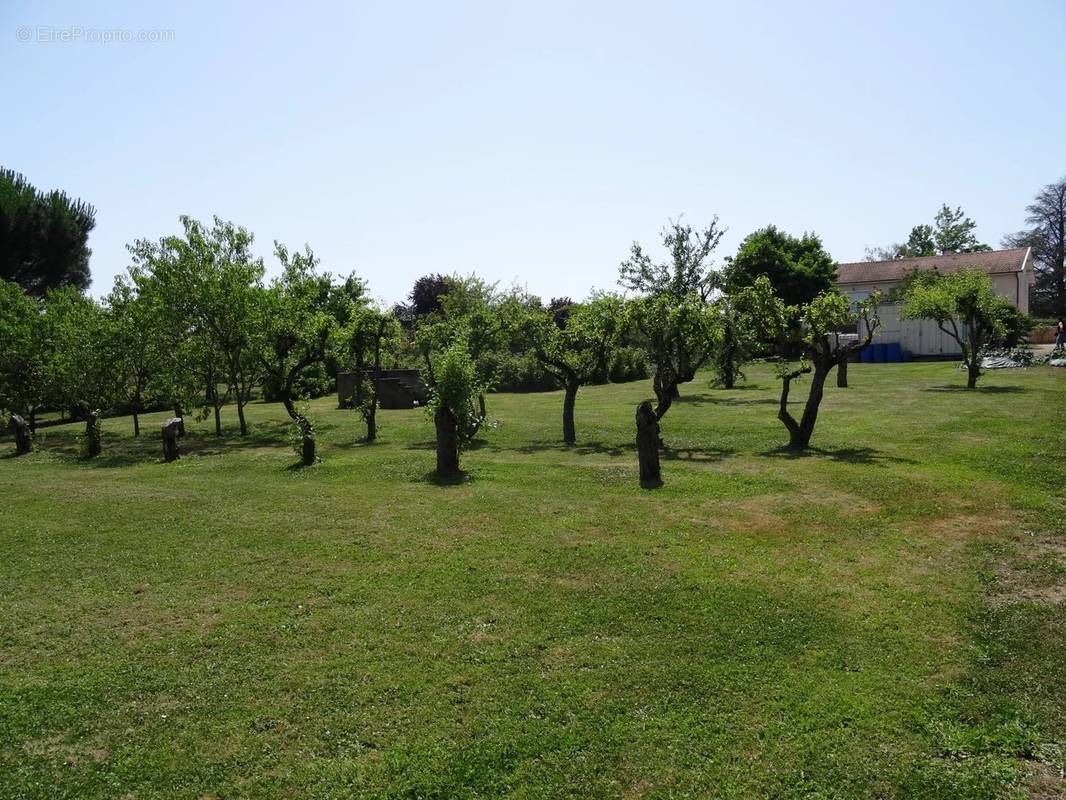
881 618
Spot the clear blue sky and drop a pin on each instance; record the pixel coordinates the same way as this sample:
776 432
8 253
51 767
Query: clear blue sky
532 142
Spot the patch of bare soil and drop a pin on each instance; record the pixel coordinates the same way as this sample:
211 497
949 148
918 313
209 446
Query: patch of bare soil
1034 572
1046 782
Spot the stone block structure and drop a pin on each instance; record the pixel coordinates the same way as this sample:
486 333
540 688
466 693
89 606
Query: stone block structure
396 388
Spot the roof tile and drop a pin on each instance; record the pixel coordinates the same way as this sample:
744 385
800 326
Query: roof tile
993 262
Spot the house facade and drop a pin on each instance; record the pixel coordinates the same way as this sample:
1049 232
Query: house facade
1011 273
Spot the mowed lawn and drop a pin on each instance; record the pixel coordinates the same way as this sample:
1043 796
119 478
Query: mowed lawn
881 618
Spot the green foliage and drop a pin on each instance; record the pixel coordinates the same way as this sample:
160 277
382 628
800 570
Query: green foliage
457 387
211 285
798 268
966 307
1046 236
26 352
830 313
87 370
626 364
302 429
951 232
966 296
1014 325
518 372
139 326
43 236
297 324
578 353
751 319
954 232
679 336
687 272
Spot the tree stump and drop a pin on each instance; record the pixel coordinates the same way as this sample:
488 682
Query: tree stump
307 440
447 441
842 374
307 452
92 434
648 446
23 440
173 429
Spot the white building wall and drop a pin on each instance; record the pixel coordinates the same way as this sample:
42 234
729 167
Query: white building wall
922 337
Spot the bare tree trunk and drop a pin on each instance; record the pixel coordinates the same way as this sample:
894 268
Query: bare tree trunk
359 376
648 446
569 397
33 419
240 415
216 404
727 366
481 405
665 392
800 436
290 409
136 409
372 421
447 441
973 370
372 412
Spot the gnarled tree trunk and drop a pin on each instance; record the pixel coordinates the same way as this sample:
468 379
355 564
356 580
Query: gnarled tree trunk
648 446
447 441
665 392
799 433
240 416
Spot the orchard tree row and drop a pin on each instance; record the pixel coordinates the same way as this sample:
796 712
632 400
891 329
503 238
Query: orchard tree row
195 325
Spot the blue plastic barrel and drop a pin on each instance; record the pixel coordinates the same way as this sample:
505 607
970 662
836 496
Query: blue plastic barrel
866 356
893 352
879 352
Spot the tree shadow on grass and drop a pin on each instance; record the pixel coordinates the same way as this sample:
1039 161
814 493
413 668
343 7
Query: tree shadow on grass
847 455
719 400
448 478
125 450
431 444
581 448
978 390
706 455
